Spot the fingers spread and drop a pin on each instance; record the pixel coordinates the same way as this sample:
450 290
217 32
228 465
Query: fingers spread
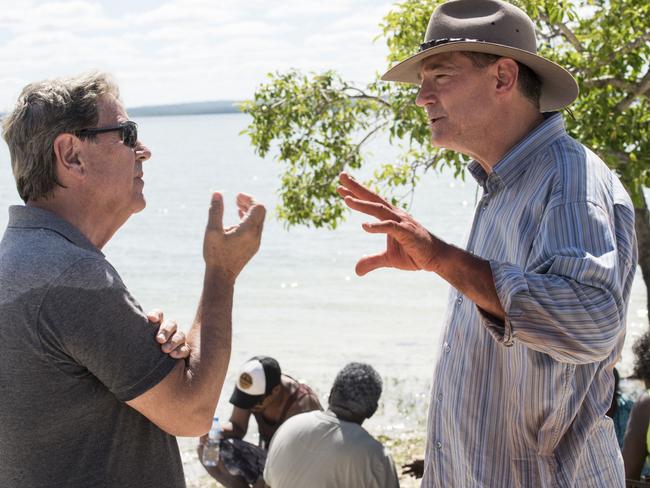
344 192
215 215
360 191
369 263
389 227
376 209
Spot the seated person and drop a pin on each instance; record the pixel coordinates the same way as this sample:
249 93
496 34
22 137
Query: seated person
271 397
636 444
331 449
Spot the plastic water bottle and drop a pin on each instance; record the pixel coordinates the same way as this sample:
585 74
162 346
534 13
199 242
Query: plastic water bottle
211 445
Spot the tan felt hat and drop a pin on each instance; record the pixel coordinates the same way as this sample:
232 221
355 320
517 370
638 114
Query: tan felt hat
493 27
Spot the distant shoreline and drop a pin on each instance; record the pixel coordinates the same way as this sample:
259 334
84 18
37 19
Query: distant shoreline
194 108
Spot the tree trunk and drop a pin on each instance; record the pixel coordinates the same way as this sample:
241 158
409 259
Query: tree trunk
642 224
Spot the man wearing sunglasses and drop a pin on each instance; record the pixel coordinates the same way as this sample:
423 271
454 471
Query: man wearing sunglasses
87 396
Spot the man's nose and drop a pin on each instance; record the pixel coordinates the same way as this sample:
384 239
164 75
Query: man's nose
142 152
425 95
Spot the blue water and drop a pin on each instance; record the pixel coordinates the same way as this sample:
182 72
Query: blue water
299 299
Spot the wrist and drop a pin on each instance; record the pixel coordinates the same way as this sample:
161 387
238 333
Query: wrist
220 275
438 248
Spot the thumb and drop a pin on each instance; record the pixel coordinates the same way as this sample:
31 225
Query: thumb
369 263
215 214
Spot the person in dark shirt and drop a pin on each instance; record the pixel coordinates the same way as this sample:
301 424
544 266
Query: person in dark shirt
263 392
87 397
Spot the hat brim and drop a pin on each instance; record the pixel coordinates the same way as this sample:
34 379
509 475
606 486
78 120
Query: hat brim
559 88
244 400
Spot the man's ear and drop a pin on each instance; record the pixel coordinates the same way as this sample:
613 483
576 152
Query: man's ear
506 71
276 389
66 150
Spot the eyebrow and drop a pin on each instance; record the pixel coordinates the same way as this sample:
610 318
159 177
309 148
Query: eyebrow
432 66
435 66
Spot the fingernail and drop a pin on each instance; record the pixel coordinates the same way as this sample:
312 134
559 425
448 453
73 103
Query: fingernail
161 336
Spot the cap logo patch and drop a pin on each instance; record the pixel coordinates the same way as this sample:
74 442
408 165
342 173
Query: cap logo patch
245 381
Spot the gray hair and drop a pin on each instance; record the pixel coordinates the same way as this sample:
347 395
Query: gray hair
356 391
43 111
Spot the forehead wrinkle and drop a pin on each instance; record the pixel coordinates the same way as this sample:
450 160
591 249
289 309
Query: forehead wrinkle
436 62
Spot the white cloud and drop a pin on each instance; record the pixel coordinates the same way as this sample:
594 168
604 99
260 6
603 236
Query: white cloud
72 16
186 50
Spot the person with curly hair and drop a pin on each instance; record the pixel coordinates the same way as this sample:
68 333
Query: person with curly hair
331 449
636 445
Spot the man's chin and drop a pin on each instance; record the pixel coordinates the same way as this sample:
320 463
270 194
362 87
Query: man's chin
437 140
140 205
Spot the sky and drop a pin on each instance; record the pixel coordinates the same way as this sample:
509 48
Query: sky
174 51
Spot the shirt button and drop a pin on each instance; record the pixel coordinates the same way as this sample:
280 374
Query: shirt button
459 300
438 445
446 347
439 397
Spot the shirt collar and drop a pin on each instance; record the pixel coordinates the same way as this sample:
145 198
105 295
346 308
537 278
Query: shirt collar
515 161
25 217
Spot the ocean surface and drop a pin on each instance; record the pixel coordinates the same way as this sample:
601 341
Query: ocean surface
299 299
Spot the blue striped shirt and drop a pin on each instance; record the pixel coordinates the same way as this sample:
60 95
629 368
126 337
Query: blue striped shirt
521 403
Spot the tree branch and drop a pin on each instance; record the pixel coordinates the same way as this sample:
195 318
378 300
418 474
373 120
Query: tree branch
642 88
564 29
640 41
547 36
371 133
364 95
624 85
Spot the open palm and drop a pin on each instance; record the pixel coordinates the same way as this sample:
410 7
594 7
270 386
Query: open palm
409 246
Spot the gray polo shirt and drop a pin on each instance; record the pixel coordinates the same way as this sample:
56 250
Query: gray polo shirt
74 346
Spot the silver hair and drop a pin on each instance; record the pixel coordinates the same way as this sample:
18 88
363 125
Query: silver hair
44 110
356 391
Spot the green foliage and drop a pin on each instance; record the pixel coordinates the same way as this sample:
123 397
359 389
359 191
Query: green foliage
606 46
320 123
314 121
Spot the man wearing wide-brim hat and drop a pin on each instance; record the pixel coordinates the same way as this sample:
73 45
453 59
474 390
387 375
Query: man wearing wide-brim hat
536 316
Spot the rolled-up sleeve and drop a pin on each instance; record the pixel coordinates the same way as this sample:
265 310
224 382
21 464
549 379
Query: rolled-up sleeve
568 301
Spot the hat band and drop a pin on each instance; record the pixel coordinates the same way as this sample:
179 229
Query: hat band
436 42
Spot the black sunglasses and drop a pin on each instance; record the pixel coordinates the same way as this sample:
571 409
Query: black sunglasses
128 132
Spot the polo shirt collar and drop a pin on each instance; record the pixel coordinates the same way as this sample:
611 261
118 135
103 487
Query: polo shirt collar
26 217
516 161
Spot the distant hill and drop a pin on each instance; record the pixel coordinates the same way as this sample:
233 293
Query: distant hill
195 108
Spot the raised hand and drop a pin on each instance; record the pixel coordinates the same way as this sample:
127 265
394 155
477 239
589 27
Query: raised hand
409 245
229 249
